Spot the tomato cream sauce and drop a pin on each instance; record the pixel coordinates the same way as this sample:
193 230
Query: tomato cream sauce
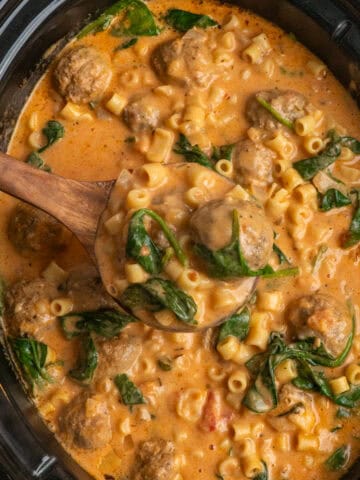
196 403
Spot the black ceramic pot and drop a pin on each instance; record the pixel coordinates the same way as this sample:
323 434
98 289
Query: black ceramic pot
330 28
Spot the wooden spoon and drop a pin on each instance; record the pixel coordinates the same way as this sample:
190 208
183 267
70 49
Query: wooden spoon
77 205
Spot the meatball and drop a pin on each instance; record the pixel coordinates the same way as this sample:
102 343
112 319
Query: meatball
33 232
212 225
26 310
82 74
86 422
85 288
291 105
116 355
253 163
294 410
321 316
142 114
154 460
185 60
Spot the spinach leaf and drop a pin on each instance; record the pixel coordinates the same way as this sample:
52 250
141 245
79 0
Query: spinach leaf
137 20
237 325
343 412
182 20
309 167
136 297
338 459
127 44
319 257
219 477
165 364
36 161
105 322
32 356
277 115
87 363
192 153
229 261
142 249
160 294
264 475
281 255
130 394
53 131
349 399
223 152
333 199
353 235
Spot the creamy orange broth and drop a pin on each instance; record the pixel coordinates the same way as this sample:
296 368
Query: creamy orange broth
96 149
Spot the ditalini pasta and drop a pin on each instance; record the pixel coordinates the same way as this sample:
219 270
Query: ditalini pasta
236 158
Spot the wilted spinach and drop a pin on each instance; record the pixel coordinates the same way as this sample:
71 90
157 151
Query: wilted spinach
105 322
137 20
127 44
193 153
353 235
338 459
87 362
32 356
309 167
157 294
281 255
165 364
229 261
130 394
237 325
183 21
141 248
36 161
333 199
264 475
53 131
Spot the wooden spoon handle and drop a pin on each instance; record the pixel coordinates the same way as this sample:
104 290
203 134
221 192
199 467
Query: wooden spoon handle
78 205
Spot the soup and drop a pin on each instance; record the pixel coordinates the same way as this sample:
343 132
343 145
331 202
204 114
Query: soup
237 168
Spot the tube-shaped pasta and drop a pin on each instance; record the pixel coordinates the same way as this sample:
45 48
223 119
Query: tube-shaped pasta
281 145
353 374
346 155
238 193
305 125
244 353
137 198
195 196
306 194
291 179
286 371
246 447
33 121
165 317
282 442
135 273
200 177
258 335
223 297
55 274
174 121
224 167
280 166
237 381
154 174
271 301
228 347
190 404
189 279
35 140
307 443
116 104
194 114
313 144
300 214
228 466
73 112
161 145
223 58
216 373
278 203
339 385
251 466
232 22
241 430
317 68
61 306
228 41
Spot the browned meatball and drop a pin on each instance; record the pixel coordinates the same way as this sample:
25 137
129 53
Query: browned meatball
253 163
27 306
321 316
142 114
154 460
85 288
290 104
185 60
212 224
82 74
116 355
295 408
86 422
33 232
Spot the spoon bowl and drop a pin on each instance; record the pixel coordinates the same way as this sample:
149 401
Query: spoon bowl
79 206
